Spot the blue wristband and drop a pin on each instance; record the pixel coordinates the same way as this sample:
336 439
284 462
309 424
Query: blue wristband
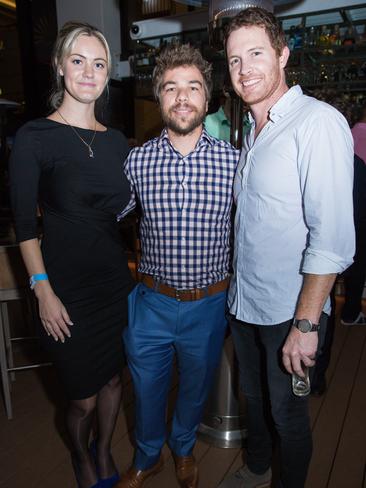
37 277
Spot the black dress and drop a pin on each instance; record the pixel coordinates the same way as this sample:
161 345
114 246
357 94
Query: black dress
81 246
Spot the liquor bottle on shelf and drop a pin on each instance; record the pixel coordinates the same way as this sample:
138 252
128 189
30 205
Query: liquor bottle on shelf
151 56
323 75
352 71
291 39
343 72
337 73
324 40
362 71
362 36
298 33
350 36
144 59
335 36
312 37
137 59
305 38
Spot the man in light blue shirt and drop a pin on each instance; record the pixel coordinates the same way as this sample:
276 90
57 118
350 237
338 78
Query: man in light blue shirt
293 233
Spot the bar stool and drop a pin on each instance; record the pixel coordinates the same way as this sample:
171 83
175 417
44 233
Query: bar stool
13 286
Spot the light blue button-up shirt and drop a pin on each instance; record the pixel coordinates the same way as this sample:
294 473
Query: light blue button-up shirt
293 191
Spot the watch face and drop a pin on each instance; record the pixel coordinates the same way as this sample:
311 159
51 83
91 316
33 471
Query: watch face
304 325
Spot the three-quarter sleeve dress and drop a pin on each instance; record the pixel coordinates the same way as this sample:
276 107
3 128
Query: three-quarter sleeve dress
85 260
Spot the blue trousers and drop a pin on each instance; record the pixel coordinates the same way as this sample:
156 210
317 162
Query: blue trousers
159 329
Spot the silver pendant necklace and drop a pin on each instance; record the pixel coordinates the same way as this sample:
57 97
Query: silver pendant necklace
91 152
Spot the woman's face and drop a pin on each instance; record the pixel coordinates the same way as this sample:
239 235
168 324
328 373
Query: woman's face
85 70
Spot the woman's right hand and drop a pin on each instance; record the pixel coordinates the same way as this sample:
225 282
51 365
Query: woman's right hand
53 314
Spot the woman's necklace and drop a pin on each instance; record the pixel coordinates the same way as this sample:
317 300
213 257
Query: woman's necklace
91 152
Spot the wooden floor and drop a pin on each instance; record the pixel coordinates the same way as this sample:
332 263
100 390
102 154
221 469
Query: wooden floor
33 450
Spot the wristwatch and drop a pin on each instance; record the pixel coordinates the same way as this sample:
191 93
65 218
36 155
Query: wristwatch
305 325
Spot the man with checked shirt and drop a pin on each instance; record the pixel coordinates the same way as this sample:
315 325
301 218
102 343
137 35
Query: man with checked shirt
183 182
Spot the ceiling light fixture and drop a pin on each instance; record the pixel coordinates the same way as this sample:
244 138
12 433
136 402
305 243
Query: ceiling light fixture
8 4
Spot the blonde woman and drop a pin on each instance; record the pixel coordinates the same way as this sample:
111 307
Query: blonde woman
70 164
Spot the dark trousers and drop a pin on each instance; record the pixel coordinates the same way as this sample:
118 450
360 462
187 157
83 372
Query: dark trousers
271 405
354 278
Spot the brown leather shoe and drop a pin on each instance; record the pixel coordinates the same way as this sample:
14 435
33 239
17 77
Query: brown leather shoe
135 478
187 471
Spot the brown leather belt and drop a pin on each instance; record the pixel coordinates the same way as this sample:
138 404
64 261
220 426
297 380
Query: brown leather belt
184 295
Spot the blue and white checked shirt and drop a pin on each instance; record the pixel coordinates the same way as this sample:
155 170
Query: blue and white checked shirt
186 207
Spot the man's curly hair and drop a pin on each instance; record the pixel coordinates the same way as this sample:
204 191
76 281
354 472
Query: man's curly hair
174 56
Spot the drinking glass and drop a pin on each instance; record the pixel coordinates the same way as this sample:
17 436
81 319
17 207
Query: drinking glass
301 384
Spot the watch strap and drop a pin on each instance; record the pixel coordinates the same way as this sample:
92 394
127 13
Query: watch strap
312 328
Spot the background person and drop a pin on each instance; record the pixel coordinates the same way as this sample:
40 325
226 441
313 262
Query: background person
359 133
218 124
71 165
354 276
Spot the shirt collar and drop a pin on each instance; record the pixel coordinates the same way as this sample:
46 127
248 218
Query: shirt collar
283 105
203 140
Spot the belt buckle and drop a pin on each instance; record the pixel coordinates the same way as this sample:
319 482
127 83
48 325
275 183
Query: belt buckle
177 295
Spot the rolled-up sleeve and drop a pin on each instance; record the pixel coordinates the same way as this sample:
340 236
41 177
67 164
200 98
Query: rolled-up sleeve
326 179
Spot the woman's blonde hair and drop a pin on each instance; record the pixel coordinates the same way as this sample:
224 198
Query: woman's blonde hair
65 41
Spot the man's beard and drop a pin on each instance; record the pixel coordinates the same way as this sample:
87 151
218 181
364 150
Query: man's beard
175 125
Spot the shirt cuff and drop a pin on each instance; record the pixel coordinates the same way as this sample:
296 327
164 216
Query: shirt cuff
324 262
